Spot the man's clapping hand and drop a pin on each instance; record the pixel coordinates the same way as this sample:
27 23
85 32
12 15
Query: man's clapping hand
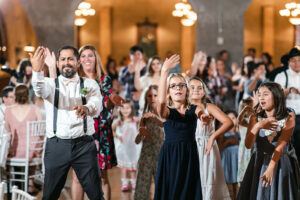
38 59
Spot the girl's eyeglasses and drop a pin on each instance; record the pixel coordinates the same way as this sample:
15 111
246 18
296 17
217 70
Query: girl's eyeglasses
179 85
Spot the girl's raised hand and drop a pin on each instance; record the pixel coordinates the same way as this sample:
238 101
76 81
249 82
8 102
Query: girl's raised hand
171 62
255 98
139 66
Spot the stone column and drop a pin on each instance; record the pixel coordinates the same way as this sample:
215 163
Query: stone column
268 29
220 26
53 22
105 32
187 46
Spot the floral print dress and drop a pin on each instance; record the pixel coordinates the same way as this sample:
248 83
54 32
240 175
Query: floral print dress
103 132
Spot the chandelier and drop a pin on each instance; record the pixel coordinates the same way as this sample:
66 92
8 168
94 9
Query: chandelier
291 10
84 9
184 11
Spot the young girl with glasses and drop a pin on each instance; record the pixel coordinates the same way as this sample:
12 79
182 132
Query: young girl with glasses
178 164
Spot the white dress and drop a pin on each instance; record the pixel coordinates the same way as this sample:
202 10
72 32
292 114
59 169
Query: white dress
244 154
127 151
211 171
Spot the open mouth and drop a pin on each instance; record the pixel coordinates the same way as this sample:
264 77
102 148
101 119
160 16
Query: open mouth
262 104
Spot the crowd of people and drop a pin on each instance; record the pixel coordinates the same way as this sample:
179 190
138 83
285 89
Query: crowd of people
219 130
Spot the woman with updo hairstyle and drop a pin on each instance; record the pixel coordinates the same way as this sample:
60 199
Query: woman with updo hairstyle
16 118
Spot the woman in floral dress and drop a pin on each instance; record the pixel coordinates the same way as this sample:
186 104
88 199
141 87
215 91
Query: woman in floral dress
91 67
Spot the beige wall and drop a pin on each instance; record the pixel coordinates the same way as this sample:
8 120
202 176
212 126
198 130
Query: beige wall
18 28
124 17
253 31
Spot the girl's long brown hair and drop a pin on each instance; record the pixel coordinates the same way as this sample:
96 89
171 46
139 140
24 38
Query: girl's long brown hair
281 110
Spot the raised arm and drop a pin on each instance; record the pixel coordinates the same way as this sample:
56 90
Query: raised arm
50 61
138 67
169 63
196 63
41 87
241 118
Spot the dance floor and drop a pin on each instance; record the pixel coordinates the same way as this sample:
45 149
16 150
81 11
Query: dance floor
114 177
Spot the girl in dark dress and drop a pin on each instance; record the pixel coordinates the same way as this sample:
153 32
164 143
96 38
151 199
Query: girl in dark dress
273 170
178 164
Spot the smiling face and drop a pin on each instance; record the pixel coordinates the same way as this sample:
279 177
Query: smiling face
67 63
126 110
156 65
88 60
265 98
294 63
196 88
178 89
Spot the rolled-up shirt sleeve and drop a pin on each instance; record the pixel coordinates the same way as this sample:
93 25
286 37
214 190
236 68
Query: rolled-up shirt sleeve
94 99
41 87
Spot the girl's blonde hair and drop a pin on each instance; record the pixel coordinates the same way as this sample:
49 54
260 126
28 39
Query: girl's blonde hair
169 99
99 69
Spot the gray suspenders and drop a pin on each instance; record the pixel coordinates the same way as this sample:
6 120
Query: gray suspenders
55 107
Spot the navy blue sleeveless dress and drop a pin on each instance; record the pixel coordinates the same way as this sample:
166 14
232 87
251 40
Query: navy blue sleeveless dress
178 164
286 179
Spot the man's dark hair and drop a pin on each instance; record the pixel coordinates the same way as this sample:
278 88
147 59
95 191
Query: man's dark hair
285 60
6 90
67 47
136 48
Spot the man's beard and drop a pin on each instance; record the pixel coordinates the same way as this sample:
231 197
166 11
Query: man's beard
69 73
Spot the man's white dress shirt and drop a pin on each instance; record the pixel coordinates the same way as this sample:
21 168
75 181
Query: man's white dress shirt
292 100
69 125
